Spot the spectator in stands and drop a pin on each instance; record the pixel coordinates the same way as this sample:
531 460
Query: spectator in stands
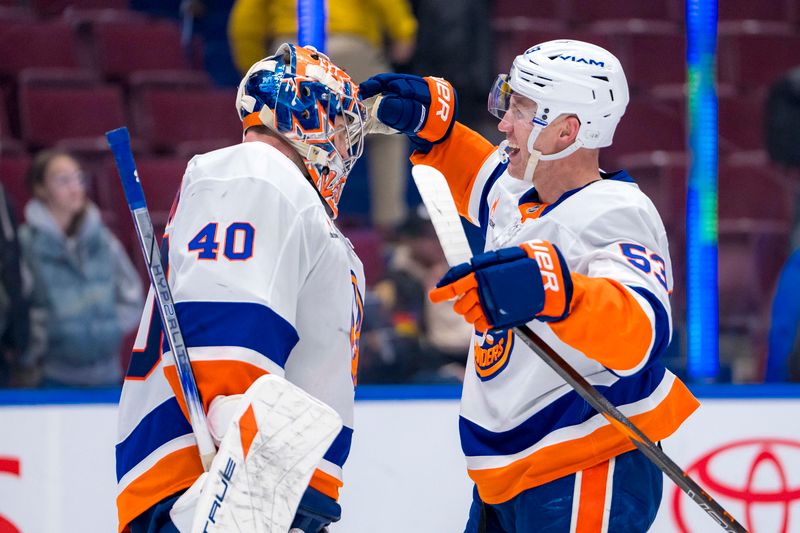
783 357
355 41
86 293
429 341
14 318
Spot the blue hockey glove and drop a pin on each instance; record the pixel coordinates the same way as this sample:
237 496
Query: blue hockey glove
422 108
509 287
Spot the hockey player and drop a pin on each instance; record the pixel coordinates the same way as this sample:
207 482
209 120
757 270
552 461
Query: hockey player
252 254
579 255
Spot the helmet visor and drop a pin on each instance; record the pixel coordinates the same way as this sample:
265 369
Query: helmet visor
500 97
506 104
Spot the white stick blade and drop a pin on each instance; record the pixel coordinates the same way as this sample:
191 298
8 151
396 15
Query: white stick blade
435 193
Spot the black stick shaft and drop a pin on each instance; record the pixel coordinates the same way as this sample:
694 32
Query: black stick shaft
601 404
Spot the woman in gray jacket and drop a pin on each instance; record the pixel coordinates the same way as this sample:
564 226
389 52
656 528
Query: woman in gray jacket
86 293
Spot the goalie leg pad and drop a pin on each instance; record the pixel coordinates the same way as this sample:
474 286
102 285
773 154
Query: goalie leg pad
265 461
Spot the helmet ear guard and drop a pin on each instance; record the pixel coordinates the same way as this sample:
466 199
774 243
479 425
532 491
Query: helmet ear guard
301 95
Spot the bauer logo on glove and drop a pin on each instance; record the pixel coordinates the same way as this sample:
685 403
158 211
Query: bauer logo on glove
422 108
509 287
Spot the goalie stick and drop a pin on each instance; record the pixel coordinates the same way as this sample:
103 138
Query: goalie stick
435 193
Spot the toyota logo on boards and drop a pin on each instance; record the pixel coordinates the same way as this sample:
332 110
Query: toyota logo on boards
757 480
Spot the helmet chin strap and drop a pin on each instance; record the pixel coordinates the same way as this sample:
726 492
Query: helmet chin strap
537 156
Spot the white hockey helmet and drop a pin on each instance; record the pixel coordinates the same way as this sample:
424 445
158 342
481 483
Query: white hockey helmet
566 77
299 93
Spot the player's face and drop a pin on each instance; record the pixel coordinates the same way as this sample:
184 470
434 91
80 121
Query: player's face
340 140
517 123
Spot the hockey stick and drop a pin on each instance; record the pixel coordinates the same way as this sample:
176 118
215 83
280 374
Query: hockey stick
436 195
120 142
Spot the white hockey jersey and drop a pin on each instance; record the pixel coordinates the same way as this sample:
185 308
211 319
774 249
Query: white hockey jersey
263 282
521 425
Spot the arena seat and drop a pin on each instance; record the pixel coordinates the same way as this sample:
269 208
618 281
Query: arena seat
755 60
126 47
36 44
168 117
514 35
12 12
52 8
755 210
754 193
741 122
13 167
50 113
589 11
6 130
774 10
168 79
654 58
647 126
161 179
663 180
739 297
546 9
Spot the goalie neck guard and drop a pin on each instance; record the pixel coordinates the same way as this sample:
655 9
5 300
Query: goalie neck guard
300 94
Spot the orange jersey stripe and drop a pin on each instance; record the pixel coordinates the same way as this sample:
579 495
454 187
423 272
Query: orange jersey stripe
459 158
215 378
173 473
498 485
600 305
594 481
326 484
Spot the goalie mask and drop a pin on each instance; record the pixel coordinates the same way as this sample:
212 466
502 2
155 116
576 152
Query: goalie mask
565 77
300 94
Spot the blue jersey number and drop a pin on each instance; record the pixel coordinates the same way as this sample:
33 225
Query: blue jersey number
238 242
647 262
205 242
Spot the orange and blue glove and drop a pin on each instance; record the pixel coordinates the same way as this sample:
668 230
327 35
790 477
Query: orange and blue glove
422 108
509 287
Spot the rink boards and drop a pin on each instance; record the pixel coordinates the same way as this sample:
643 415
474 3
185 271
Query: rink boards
405 471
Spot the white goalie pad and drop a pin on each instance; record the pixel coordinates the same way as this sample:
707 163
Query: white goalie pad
265 461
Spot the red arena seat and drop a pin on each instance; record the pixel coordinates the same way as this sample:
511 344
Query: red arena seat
755 60
646 127
589 11
774 10
36 44
169 117
123 48
741 122
50 114
13 168
161 179
51 8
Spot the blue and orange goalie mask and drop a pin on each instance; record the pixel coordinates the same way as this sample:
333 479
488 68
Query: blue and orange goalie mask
300 94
